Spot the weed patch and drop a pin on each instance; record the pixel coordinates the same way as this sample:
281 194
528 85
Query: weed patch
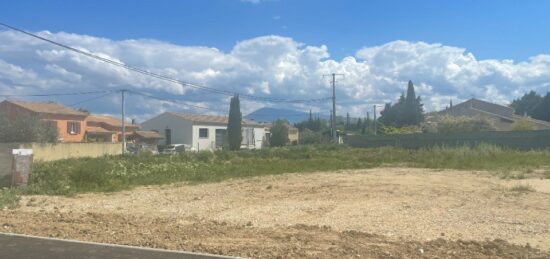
521 188
113 173
9 198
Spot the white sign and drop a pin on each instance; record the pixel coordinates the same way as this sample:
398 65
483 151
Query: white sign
22 152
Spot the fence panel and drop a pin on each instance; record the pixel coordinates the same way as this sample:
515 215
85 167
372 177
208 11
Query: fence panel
522 140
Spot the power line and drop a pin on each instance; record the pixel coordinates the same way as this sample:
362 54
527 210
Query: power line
163 77
56 94
173 101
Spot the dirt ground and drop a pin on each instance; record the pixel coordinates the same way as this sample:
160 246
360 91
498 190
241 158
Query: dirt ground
376 213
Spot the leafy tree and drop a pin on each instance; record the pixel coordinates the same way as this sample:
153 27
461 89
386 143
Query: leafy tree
234 126
359 124
84 110
526 104
279 133
408 110
26 128
348 121
542 111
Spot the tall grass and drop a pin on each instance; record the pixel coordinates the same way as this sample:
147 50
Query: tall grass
113 173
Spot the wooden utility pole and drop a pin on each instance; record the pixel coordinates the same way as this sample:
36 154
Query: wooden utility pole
375 123
333 83
123 123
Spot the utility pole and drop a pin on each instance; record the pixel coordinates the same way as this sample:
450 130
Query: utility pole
333 82
375 123
123 123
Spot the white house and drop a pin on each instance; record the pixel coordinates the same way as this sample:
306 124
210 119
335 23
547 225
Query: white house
203 132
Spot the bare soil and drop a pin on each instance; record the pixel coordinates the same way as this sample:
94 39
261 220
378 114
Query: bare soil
376 213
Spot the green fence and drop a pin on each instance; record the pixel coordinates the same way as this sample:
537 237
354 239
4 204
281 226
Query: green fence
523 140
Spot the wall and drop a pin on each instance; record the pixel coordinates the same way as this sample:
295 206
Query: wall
181 129
205 143
51 152
522 140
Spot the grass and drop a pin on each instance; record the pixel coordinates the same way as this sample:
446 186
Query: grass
522 188
114 173
9 198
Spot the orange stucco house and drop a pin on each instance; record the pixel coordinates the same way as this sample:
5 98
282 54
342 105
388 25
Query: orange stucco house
101 128
70 123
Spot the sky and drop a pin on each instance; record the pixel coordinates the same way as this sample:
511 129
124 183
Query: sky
451 50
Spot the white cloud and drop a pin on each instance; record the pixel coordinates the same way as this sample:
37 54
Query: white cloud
271 66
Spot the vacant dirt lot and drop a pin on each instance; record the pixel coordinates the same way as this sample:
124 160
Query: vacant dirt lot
381 212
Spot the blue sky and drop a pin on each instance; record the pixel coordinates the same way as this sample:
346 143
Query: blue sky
490 29
451 50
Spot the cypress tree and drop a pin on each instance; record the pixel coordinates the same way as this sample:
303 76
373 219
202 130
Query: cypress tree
234 133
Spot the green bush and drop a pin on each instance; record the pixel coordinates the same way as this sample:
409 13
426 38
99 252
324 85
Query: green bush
523 124
461 124
313 138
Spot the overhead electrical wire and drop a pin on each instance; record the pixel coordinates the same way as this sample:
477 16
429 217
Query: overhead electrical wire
172 100
166 78
57 94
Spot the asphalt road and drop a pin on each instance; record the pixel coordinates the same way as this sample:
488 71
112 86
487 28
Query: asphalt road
30 247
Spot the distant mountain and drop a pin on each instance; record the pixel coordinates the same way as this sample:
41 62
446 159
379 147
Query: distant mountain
271 114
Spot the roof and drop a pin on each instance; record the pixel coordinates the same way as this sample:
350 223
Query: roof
213 119
108 120
493 108
148 134
496 110
46 108
90 129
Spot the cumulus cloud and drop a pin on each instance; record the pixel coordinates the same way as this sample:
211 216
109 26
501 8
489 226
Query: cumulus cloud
270 66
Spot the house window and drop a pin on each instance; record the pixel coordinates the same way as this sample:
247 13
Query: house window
73 127
203 133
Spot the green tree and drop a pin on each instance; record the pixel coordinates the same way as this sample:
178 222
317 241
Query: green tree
407 111
359 124
348 122
279 134
542 111
234 124
26 128
526 104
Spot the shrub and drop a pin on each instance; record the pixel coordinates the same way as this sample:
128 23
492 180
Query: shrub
452 124
313 138
523 124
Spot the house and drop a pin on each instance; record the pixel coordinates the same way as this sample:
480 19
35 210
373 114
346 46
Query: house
69 122
100 128
202 132
503 117
141 141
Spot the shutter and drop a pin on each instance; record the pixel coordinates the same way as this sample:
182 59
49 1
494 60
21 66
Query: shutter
68 127
77 127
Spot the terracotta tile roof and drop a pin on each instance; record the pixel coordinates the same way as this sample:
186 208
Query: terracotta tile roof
148 134
47 108
214 119
109 121
90 129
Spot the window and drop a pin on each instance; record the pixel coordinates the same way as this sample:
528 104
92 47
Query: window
73 127
203 133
